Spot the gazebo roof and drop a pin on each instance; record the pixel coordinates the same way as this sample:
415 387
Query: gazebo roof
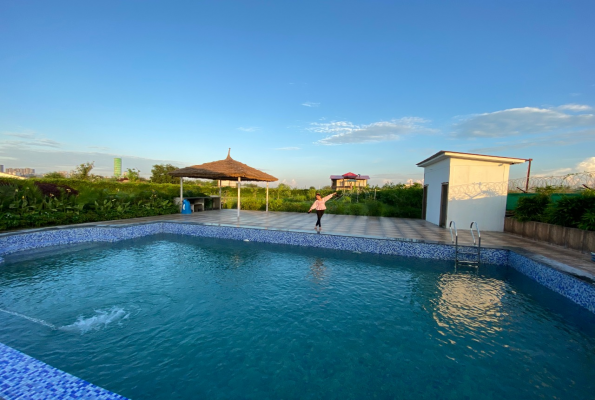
228 169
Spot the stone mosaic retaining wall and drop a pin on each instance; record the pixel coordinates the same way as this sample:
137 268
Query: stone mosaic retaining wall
572 238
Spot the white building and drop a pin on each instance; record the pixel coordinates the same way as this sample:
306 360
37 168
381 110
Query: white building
463 188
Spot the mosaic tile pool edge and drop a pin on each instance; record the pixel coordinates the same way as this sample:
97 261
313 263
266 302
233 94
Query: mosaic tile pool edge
40 239
24 377
34 370
568 286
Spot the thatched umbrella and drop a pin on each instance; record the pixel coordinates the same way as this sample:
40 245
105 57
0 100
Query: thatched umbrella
228 169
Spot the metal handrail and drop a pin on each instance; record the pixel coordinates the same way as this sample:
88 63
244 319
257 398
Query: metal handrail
478 233
452 225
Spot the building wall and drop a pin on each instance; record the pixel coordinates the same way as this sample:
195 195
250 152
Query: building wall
477 192
344 183
434 176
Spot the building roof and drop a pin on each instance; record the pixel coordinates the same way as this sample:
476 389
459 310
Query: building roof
360 177
443 155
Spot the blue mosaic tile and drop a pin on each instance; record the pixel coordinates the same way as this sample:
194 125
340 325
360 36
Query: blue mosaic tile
349 243
24 377
568 286
53 237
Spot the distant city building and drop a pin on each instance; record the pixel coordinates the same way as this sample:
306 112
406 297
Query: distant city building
1 168
117 167
20 171
349 181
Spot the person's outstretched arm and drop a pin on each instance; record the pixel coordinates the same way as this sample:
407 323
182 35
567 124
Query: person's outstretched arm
326 198
313 206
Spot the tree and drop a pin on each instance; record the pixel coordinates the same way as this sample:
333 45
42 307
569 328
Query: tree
83 171
159 174
133 175
54 175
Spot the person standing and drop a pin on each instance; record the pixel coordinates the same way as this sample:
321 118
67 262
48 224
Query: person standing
320 207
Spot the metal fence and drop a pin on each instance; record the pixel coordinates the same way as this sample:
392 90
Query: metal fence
562 183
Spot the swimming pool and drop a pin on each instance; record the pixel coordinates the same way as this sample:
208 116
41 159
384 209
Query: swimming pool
188 317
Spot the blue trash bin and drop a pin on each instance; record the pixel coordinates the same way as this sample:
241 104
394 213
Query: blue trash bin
186 207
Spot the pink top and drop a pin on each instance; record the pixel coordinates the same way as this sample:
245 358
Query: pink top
319 204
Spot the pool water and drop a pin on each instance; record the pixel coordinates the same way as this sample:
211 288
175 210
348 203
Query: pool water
176 317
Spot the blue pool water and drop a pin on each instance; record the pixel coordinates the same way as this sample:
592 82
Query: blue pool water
176 317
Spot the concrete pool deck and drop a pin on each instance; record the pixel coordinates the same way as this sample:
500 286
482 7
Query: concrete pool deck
403 228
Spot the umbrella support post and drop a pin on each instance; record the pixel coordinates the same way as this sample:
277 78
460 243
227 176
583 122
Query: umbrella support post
267 209
181 193
239 185
220 194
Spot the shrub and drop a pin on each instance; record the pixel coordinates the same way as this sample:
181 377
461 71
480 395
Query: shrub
374 208
569 211
159 174
588 221
532 208
356 209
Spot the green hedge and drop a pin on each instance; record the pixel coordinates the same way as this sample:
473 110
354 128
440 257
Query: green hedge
46 202
23 204
574 211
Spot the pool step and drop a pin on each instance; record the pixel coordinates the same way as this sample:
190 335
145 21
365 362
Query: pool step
473 250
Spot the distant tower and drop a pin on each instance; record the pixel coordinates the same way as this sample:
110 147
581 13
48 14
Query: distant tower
117 167
1 168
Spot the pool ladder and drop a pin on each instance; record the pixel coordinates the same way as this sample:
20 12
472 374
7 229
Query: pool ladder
471 250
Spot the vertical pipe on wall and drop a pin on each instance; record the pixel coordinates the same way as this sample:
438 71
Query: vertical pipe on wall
528 175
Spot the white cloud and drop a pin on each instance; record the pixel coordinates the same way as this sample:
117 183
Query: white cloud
41 153
345 132
287 148
526 120
28 139
24 135
552 172
293 183
587 165
47 159
575 107
310 104
555 140
248 129
45 143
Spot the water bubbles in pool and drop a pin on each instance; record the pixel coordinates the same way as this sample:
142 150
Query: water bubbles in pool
101 319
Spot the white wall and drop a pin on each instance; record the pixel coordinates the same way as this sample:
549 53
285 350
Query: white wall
434 176
477 192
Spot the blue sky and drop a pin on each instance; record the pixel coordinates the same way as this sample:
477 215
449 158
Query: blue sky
301 90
